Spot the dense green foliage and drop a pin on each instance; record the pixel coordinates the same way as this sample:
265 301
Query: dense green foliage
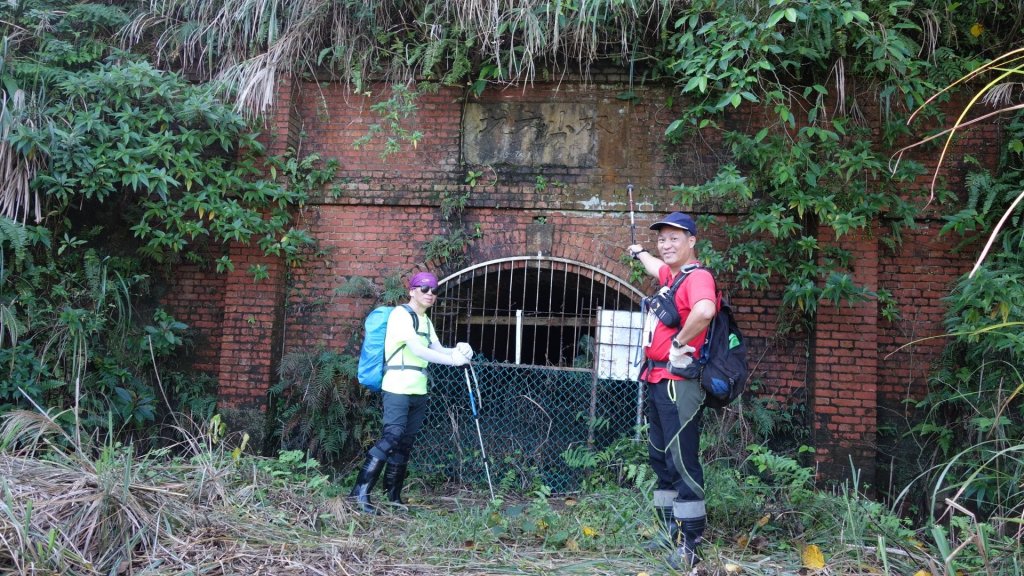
127 168
814 71
136 168
319 409
974 414
815 164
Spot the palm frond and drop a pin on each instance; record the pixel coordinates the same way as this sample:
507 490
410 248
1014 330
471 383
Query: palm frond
17 168
250 46
1004 94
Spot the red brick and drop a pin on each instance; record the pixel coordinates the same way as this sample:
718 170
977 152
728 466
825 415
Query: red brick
388 208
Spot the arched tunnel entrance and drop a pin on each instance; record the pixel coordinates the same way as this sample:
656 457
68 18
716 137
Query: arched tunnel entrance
556 345
540 311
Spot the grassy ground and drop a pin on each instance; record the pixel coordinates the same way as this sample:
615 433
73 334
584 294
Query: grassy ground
202 507
597 534
195 518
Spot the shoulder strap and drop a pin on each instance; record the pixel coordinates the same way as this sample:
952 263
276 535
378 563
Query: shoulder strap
416 329
415 318
687 270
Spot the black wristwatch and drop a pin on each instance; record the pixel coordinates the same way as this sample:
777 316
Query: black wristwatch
676 344
638 253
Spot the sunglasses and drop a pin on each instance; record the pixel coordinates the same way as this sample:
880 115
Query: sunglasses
428 290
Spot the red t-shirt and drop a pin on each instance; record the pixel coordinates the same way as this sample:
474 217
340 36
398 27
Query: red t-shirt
699 285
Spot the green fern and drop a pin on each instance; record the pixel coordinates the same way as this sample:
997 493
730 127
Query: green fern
982 190
622 463
434 54
782 470
460 65
16 237
393 291
317 406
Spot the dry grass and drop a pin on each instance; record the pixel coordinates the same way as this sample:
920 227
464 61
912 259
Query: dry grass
197 509
17 199
250 46
200 508
56 517
175 511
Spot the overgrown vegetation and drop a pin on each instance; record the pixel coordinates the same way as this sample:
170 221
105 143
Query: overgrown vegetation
815 71
133 170
317 405
447 251
281 513
973 417
115 169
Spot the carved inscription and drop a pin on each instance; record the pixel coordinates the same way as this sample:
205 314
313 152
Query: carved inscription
530 134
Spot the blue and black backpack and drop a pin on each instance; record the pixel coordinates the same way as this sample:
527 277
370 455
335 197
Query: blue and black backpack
722 367
372 362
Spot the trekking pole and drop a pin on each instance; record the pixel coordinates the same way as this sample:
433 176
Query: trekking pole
640 385
632 221
476 419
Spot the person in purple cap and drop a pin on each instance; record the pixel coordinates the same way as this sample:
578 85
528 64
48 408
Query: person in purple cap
674 404
408 349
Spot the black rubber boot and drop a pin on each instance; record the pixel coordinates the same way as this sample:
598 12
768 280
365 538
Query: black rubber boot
686 552
364 484
668 531
690 516
394 480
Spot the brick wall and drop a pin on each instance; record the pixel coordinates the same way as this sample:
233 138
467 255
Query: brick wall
196 295
843 398
378 214
920 275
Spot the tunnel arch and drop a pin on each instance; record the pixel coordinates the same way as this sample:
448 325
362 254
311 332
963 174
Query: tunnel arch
539 310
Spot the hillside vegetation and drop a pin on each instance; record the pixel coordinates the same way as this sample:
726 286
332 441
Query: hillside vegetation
129 143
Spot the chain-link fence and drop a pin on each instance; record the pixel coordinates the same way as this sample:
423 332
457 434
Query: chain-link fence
529 416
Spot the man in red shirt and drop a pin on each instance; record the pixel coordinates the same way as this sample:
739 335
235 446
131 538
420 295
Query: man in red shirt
674 404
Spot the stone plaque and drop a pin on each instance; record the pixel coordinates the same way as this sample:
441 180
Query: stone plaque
539 238
530 134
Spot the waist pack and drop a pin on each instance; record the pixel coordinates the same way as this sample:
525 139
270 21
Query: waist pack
663 303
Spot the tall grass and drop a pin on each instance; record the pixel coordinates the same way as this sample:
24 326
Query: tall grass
202 504
194 506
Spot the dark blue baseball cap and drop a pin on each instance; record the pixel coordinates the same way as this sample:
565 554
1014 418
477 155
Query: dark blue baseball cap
677 220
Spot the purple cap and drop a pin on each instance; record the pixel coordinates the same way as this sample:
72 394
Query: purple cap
423 279
677 220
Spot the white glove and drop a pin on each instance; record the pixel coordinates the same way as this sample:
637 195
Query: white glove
458 358
465 349
681 358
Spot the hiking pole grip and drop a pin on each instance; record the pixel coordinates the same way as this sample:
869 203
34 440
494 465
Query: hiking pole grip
632 219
